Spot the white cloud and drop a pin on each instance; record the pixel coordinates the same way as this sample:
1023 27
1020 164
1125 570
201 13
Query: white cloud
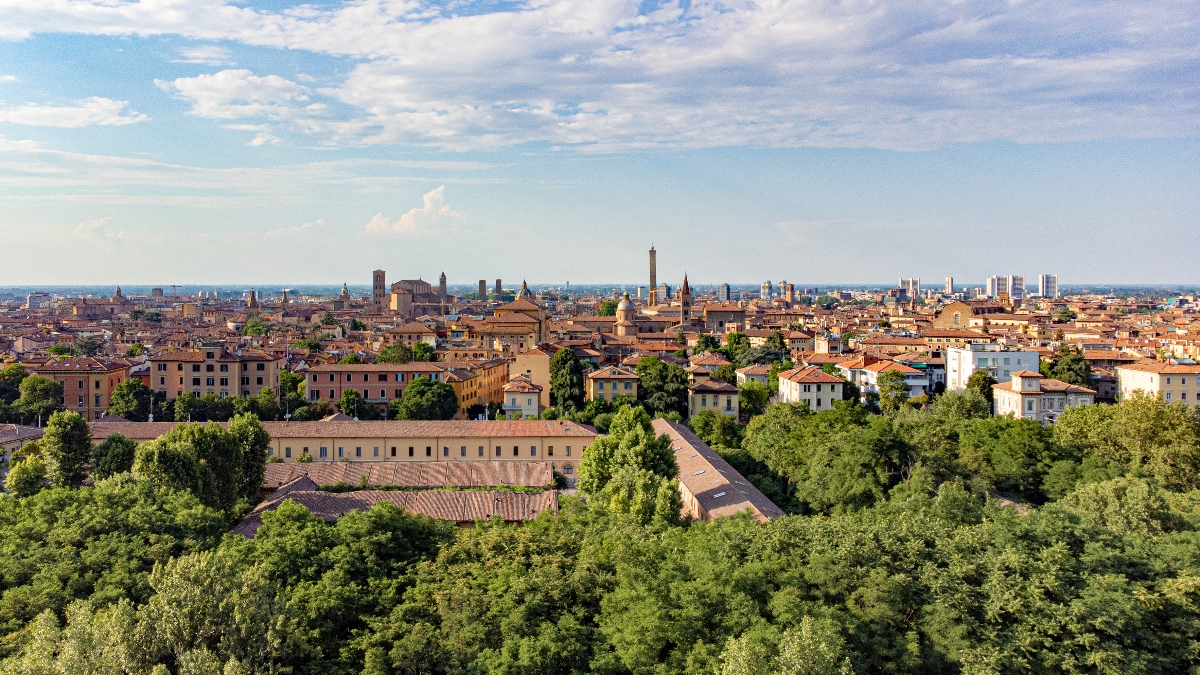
432 214
608 75
320 222
208 55
98 230
263 138
94 111
4 79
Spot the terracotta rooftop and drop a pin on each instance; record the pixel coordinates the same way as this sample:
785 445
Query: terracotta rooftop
143 431
412 474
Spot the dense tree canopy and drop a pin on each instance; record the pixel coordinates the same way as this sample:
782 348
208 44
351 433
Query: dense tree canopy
662 387
566 379
424 399
132 400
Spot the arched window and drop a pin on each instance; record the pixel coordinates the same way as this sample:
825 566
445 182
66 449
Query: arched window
568 470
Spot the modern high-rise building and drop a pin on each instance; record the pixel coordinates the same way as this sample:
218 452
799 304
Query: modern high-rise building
764 291
1048 285
997 285
723 294
949 285
379 289
1016 287
653 277
911 286
663 293
483 289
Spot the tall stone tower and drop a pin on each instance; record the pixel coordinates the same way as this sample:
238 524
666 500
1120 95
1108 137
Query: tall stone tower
499 289
685 301
378 288
483 290
442 287
653 278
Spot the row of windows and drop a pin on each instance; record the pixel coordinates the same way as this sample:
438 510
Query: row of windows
462 451
716 401
380 377
162 367
628 385
209 381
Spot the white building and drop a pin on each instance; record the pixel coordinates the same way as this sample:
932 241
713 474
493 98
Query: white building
523 396
961 362
996 286
917 381
1016 287
949 285
1174 383
1048 285
1029 395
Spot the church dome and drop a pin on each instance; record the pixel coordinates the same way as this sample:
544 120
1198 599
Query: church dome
625 304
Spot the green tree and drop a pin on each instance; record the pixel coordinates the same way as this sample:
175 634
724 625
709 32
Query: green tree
725 373
10 382
355 324
135 349
311 344
132 400
981 382
396 353
67 445
218 465
735 343
351 359
707 343
662 387
778 342
423 351
328 320
753 397
1064 315
893 391
253 443
631 442
721 431
1013 456
89 346
353 404
62 350
566 379
967 404
255 326
39 398
424 399
113 456
26 477
607 308
1069 366
187 406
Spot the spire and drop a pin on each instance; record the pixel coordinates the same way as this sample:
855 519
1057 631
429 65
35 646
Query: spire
686 289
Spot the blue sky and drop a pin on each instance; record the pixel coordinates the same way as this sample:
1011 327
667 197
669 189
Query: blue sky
205 141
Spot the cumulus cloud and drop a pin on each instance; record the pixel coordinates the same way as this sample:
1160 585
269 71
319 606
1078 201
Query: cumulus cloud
297 229
432 214
615 74
99 230
208 55
7 78
94 111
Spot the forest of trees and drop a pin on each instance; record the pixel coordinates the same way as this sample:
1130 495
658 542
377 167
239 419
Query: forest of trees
936 540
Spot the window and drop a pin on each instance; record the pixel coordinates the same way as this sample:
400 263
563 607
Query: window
97 397
178 366
1006 361
1168 379
1168 397
195 382
341 452
429 451
224 368
703 401
398 393
497 451
287 452
314 377
332 394
245 380
324 451
331 377
383 393
162 380
393 451
628 385
729 403
81 400
399 377
600 385
481 451
568 451
550 451
208 368
533 451
376 451
818 387
568 470
383 377
161 366
195 367
316 394
208 381
208 355
462 451
445 451
516 451
358 452
261 366
1029 406
410 451
259 381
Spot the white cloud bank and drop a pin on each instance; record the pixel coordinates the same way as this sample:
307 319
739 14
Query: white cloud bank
431 215
623 74
94 111
208 55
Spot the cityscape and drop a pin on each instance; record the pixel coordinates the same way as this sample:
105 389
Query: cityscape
669 337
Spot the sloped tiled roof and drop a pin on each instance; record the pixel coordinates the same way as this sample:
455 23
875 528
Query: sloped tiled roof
424 474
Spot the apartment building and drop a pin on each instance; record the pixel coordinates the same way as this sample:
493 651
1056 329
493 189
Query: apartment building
715 395
1029 395
1174 383
88 383
214 370
812 386
610 383
998 360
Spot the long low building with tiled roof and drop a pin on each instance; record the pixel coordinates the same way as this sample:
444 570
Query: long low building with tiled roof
711 487
559 442
414 475
464 508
